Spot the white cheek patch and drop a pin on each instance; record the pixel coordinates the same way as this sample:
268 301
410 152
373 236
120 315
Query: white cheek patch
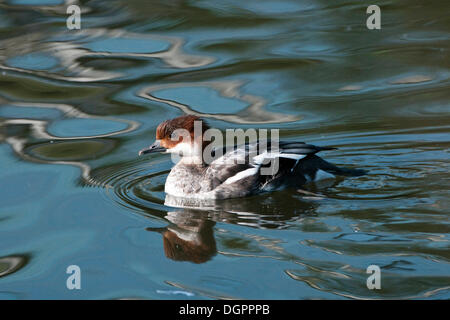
183 148
242 175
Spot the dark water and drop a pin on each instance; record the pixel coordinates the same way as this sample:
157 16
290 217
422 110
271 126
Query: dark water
76 106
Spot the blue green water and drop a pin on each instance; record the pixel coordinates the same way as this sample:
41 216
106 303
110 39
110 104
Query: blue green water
76 106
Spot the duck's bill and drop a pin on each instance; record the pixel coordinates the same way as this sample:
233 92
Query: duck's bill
154 148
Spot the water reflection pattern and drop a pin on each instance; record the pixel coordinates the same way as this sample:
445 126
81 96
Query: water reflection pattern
91 99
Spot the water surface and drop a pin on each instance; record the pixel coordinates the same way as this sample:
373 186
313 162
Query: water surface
77 105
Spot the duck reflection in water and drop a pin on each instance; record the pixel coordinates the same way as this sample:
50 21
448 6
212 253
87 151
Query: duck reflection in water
188 237
190 233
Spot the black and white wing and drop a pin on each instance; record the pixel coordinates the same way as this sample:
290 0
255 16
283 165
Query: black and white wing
286 150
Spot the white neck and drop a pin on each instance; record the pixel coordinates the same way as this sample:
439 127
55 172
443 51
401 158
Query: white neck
191 153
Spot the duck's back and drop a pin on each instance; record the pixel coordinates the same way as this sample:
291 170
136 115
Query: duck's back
252 168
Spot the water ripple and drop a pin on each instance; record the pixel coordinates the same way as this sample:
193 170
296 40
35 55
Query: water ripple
62 60
12 264
253 113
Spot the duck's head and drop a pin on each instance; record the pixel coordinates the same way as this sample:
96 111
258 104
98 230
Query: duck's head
182 136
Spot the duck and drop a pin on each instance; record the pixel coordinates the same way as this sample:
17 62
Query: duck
205 172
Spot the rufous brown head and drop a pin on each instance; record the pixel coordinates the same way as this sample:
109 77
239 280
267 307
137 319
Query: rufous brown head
179 135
